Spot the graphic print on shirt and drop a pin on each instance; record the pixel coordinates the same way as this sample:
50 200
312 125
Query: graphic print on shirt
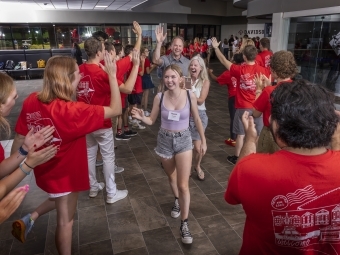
37 122
247 82
234 81
267 60
85 89
312 221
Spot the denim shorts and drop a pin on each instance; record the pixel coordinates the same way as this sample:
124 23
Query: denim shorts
195 136
171 143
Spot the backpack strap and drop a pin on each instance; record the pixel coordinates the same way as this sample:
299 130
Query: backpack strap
189 98
160 102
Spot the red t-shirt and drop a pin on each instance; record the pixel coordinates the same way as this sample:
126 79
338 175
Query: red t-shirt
266 56
191 49
146 64
245 92
204 48
138 88
197 47
185 52
226 79
258 60
292 202
262 103
68 170
123 66
94 88
2 153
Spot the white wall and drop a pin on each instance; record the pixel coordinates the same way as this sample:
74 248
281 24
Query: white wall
227 30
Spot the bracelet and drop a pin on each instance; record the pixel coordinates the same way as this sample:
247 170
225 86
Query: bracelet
25 172
22 152
28 165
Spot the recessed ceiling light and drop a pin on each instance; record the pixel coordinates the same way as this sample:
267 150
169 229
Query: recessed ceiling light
100 6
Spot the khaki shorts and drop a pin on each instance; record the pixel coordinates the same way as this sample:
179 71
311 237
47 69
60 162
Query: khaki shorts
238 128
266 142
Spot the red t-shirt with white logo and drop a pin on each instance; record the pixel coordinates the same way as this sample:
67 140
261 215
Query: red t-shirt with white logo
245 92
226 79
266 56
262 103
68 170
291 201
94 88
258 60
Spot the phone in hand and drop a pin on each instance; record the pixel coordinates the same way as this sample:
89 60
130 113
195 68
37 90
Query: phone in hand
187 82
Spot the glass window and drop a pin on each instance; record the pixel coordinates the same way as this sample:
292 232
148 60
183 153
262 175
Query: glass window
114 33
147 36
22 37
6 44
36 39
315 43
48 38
212 31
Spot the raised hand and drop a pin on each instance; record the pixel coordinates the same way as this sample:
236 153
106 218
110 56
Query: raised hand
137 113
214 42
159 34
11 202
137 28
39 138
35 158
249 126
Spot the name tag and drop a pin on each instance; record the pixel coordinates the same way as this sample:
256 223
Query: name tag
174 116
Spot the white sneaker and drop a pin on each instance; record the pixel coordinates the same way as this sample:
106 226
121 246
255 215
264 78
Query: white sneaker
146 113
138 126
118 169
94 193
120 194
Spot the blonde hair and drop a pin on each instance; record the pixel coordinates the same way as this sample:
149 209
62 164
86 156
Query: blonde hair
6 88
58 78
246 42
203 75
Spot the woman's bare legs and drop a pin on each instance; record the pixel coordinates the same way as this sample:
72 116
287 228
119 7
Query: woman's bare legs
47 206
197 159
183 166
178 172
66 207
169 166
145 99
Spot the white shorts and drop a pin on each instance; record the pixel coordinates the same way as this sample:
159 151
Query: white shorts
55 195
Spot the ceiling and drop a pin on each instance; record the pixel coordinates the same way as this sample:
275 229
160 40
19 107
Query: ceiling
110 5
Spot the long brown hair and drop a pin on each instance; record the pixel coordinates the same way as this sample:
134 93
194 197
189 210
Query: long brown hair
58 78
6 87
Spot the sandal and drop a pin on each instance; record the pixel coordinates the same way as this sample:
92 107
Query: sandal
200 174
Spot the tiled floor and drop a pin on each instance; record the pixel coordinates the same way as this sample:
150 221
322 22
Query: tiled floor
141 224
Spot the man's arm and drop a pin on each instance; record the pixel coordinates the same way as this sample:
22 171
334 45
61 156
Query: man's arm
219 54
156 56
211 74
127 87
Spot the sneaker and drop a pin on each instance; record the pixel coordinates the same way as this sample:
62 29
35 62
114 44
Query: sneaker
185 232
21 228
146 113
175 211
122 136
230 142
232 159
138 126
130 133
120 194
99 162
94 193
132 121
118 169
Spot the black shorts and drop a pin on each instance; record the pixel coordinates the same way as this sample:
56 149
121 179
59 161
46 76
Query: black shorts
135 98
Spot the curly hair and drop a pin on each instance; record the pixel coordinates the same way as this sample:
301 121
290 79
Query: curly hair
283 64
304 113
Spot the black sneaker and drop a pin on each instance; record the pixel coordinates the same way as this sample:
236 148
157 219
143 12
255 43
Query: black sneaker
122 136
130 133
175 211
185 232
232 159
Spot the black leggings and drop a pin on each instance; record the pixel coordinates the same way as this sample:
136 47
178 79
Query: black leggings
231 107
